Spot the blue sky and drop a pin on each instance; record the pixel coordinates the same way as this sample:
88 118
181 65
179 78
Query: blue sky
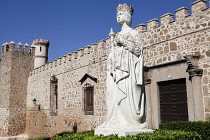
73 24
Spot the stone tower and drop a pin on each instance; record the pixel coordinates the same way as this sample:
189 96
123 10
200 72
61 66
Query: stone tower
41 52
16 63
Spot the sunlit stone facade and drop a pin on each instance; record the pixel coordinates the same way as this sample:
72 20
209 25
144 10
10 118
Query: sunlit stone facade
176 48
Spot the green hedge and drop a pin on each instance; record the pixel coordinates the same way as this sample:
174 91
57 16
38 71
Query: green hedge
41 139
202 128
169 135
157 135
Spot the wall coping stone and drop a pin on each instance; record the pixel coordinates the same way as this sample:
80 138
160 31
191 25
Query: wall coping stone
198 2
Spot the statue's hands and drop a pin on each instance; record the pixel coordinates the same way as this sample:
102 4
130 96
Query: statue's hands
120 42
128 45
137 51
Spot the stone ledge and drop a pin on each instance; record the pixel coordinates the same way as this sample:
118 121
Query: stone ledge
19 137
120 132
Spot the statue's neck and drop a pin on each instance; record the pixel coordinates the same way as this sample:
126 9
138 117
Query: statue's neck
125 28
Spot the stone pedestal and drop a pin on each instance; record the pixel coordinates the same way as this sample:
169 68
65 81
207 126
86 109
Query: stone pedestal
121 132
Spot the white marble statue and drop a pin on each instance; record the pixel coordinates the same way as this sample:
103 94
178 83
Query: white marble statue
125 87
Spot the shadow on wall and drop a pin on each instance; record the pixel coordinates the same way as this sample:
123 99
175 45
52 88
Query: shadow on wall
74 128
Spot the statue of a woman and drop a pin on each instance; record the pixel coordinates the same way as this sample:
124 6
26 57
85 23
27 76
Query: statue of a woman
125 89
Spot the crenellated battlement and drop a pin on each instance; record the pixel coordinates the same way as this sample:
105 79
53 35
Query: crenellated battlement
156 31
71 57
166 19
9 47
180 14
198 6
152 24
42 42
170 27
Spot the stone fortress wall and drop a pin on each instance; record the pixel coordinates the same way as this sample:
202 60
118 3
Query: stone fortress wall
174 39
16 65
69 70
168 42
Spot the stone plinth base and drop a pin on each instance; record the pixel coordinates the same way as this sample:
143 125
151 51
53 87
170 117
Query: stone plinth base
19 137
120 132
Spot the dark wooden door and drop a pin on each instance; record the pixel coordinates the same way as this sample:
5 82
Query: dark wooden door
173 100
89 91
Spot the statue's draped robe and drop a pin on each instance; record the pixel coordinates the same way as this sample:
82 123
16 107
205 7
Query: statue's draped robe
125 94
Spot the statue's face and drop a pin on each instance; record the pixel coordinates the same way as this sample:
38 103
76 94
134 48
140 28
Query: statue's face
123 17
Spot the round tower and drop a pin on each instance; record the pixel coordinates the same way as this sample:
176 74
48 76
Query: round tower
41 52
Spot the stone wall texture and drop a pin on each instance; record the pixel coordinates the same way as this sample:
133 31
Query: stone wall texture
184 36
170 41
164 42
16 66
69 70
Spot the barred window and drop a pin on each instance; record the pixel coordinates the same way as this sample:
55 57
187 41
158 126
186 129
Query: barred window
88 83
89 100
53 96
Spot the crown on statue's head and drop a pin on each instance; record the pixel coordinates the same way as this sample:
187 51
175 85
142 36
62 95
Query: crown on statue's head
125 8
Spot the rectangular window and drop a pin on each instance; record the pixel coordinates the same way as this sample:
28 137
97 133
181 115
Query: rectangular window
88 101
7 48
53 96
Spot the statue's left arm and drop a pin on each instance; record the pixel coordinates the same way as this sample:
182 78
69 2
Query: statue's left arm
138 52
133 43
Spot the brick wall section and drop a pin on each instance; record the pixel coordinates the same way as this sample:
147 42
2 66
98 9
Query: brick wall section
16 66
